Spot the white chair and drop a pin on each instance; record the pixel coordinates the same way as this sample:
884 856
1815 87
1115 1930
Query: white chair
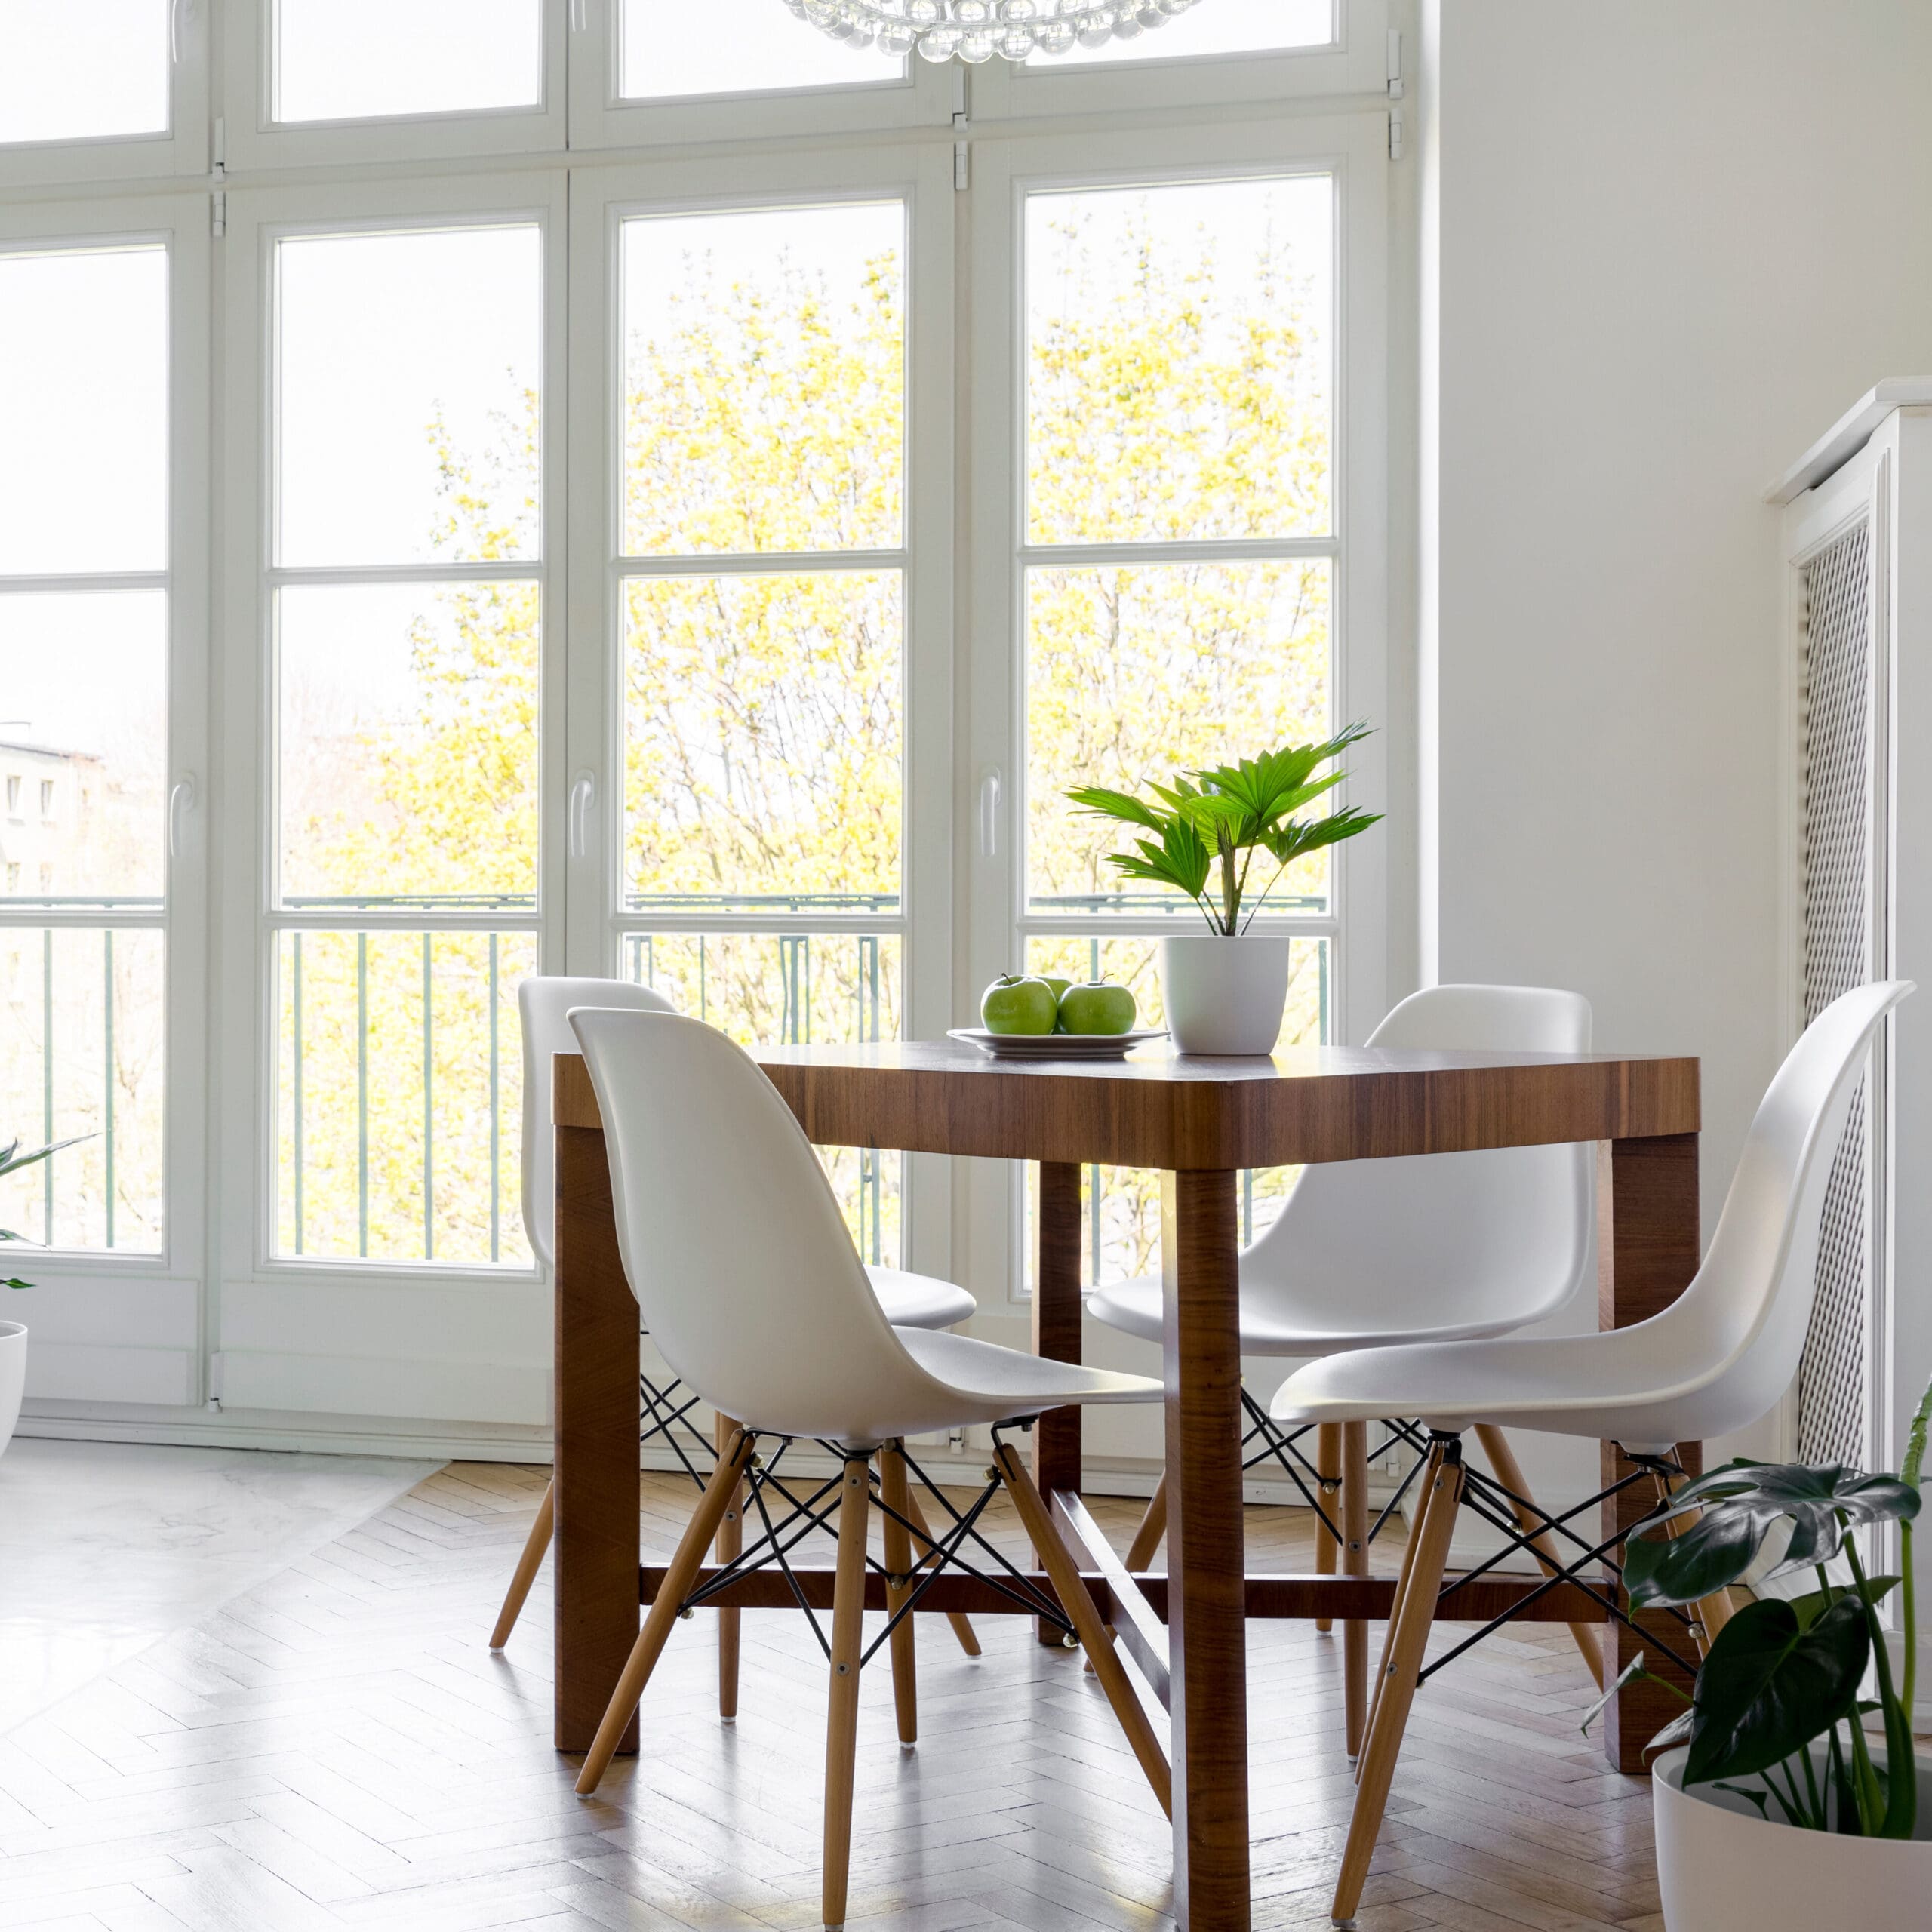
1715 1361
746 1276
912 1301
1429 1247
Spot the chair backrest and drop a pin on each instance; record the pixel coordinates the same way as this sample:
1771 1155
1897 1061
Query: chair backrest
543 1002
1472 1244
749 1283
1735 1335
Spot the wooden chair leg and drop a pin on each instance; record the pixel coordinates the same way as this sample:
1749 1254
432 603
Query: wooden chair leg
1153 1528
1355 1562
1411 1548
1064 1574
962 1625
1510 1473
679 1578
894 1492
528 1565
1328 1466
730 1546
1713 1611
841 1726
1409 1641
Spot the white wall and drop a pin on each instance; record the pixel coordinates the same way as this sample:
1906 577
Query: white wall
1666 245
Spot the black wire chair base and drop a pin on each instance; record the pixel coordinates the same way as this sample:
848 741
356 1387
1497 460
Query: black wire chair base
665 1413
1282 1446
1523 1522
944 1547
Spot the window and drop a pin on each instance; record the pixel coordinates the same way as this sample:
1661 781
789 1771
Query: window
915 469
405 621
762 626
85 654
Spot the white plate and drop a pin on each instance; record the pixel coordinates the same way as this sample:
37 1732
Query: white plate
1056 1046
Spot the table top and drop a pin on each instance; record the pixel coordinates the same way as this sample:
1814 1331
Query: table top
1156 1108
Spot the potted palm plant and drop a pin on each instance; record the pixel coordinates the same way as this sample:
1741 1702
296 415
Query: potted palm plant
1225 990
13 1334
1775 1809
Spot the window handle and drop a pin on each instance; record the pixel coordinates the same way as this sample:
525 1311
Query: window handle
175 31
584 794
180 800
989 816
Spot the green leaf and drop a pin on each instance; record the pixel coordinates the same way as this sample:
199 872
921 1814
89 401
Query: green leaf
12 1159
1747 1499
1814 1605
16 1285
1768 1686
1675 1732
1631 1671
1304 835
1760 1796
1105 804
1715 1550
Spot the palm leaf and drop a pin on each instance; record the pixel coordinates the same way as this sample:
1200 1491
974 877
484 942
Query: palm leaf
1103 802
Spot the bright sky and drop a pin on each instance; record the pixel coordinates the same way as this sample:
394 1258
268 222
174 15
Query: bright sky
72 68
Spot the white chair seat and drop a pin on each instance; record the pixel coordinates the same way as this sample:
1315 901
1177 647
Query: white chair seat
1002 1382
1272 1325
1609 1387
920 1301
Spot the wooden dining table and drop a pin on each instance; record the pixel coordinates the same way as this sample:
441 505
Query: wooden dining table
1200 1121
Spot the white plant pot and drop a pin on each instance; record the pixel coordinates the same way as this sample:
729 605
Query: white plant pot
12 1377
1224 994
1721 1867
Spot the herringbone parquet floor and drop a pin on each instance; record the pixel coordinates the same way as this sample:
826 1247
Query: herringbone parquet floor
338 1749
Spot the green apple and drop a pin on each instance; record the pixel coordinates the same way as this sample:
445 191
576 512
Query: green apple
1060 987
1097 1007
1015 1004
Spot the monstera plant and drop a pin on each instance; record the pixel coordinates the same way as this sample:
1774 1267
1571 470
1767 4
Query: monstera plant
1782 1697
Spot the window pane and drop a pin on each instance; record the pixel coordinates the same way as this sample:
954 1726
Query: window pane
83 746
81 1034
83 69
1117 662
1121 1207
348 59
763 726
1178 364
407 422
670 47
1220 27
84 411
399 1097
764 988
408 742
764 380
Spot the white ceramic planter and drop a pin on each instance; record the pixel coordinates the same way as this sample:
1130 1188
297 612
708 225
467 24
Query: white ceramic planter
1721 1867
1225 995
13 1377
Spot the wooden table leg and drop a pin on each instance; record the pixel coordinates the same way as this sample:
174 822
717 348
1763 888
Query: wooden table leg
1206 1603
1648 1247
1057 1311
596 1575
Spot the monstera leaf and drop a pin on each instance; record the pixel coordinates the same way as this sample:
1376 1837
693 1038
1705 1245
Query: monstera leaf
1742 1503
1771 1684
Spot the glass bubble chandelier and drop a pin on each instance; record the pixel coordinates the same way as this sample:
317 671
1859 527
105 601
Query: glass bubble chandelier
977 30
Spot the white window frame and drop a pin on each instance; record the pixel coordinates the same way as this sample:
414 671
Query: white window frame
602 198
1353 148
1355 62
254 139
922 95
151 1304
425 1339
181 148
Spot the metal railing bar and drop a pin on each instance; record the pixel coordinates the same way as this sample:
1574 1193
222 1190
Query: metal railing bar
428 1108
496 1104
762 563
362 1094
301 1225
107 1074
47 1083
1200 550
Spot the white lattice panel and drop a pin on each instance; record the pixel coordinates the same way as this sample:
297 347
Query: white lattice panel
1835 1379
